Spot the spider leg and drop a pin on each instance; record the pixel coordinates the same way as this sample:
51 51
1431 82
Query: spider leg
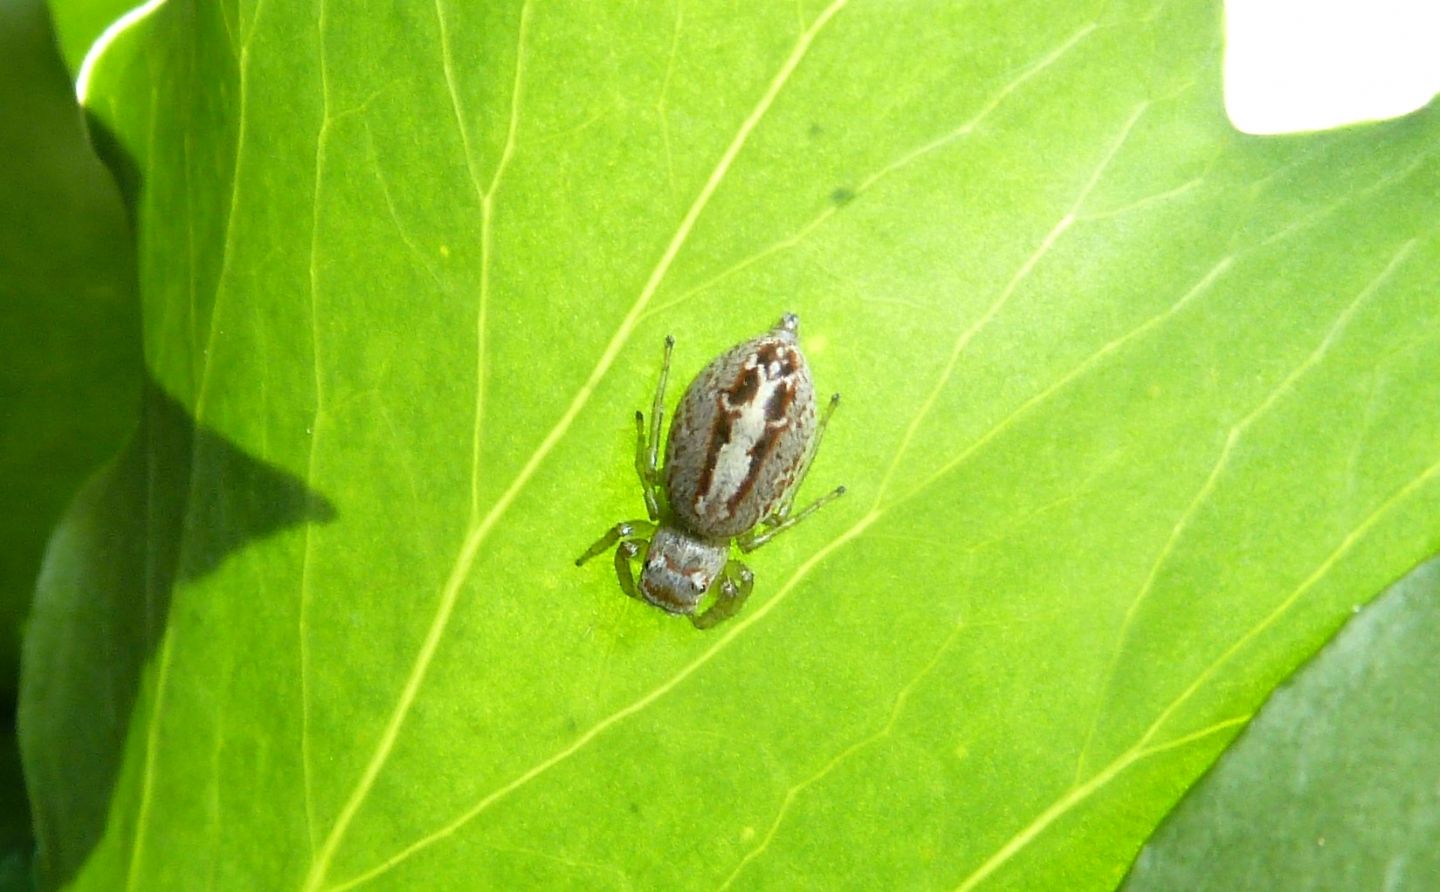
636 528
642 470
735 587
750 541
783 510
623 571
647 449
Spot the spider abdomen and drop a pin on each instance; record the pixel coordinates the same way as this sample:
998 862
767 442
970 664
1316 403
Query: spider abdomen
741 436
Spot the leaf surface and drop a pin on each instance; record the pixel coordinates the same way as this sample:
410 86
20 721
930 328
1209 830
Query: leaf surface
1135 410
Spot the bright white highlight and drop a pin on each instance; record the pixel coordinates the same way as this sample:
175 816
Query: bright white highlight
102 43
1297 65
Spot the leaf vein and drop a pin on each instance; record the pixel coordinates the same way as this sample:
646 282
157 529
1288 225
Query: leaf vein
1079 793
487 260
798 236
897 707
400 228
1024 270
307 553
1222 461
1094 359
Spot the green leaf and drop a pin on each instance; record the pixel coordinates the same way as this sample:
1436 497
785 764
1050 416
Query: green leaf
1334 784
17 842
69 362
15 875
70 375
1135 410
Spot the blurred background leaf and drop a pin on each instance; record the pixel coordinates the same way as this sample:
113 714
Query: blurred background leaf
69 341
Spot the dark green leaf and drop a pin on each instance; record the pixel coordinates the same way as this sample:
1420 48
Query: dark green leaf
69 353
69 359
1335 785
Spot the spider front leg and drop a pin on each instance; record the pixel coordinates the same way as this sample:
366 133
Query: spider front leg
647 451
639 530
735 587
623 572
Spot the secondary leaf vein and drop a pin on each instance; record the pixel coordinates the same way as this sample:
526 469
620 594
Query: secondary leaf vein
869 182
897 707
1217 470
1029 264
307 553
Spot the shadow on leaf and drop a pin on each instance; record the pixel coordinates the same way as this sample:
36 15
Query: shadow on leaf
171 508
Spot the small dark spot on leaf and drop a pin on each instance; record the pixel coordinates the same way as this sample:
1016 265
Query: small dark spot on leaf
816 130
842 196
